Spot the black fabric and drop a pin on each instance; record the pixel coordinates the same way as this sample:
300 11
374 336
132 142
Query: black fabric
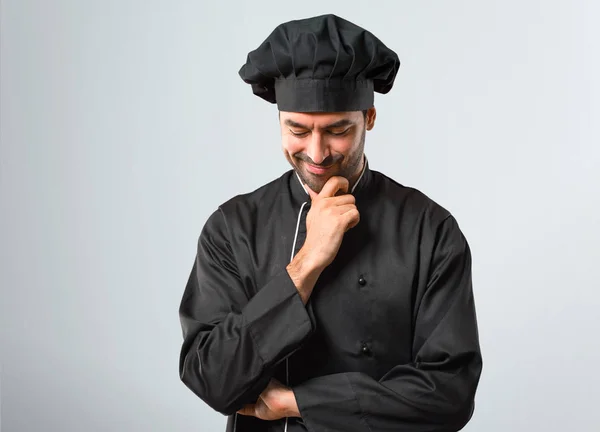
387 341
320 64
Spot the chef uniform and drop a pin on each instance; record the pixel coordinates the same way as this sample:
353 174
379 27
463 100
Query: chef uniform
388 340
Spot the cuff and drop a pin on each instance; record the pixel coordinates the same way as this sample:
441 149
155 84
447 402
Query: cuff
329 403
277 319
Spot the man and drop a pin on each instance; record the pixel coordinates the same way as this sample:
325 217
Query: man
332 298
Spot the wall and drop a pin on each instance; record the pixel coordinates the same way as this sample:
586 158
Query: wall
124 124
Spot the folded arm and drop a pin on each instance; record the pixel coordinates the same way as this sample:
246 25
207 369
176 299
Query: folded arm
232 342
435 392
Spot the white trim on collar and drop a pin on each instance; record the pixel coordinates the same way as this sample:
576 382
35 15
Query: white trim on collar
361 175
300 181
353 187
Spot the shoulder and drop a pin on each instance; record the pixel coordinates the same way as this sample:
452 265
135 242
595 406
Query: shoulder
410 201
417 212
250 201
243 209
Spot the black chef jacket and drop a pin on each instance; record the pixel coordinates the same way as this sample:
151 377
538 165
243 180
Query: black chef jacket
388 340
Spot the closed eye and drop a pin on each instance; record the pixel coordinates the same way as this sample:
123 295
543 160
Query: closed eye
330 132
344 132
298 134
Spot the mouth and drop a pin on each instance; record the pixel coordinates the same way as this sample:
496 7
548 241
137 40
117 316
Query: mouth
317 169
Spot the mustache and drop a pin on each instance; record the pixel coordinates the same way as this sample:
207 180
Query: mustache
328 161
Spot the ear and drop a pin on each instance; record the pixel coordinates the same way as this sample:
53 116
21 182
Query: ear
370 120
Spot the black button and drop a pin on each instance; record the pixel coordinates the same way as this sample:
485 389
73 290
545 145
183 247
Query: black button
366 350
362 281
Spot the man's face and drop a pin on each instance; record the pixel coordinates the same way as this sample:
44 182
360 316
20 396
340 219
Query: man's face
322 145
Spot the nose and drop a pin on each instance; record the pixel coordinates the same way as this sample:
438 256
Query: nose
317 150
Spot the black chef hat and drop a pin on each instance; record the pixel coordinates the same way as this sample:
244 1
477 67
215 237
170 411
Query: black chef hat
320 64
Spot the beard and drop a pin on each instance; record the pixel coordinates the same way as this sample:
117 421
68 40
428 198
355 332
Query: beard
345 166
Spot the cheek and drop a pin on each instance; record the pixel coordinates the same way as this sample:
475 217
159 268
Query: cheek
343 145
292 146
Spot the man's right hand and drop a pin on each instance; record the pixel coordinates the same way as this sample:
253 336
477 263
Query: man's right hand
332 213
327 221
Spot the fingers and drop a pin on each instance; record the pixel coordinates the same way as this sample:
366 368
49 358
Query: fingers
333 185
342 209
351 217
248 410
339 201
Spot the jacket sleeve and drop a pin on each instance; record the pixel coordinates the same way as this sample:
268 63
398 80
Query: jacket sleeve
231 342
436 391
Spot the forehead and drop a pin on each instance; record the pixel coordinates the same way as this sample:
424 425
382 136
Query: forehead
319 119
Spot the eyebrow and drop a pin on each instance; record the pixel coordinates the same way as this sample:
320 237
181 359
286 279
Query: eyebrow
337 124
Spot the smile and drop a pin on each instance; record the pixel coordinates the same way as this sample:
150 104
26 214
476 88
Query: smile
318 169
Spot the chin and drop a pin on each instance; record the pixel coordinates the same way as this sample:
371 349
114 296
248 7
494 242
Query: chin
316 187
315 182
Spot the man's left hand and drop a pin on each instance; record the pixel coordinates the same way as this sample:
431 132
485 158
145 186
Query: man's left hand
275 402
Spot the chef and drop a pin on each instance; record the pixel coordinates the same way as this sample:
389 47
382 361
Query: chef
332 298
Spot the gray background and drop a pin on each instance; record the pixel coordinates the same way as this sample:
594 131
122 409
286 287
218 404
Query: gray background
124 125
